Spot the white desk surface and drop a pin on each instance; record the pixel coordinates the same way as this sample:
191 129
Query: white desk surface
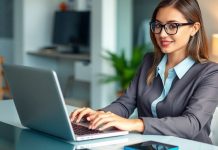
8 114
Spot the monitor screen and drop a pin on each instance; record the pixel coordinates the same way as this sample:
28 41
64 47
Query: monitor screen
71 28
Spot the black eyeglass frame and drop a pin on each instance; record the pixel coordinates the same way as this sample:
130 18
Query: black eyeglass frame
164 26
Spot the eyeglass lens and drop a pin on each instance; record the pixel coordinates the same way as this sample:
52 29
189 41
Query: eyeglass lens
170 28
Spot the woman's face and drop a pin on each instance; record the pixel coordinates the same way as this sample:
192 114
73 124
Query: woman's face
176 43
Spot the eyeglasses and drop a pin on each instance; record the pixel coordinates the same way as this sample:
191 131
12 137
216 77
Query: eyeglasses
170 28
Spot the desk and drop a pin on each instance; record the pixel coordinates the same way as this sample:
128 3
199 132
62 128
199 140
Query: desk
55 54
8 114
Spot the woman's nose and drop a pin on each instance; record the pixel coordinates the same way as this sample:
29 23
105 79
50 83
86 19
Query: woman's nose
163 33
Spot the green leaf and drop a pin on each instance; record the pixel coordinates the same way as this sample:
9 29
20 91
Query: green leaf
124 69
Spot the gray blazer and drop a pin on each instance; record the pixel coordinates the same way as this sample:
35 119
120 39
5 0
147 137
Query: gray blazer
186 111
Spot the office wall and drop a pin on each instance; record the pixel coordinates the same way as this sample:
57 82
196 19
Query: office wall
6 18
6 29
6 49
210 16
142 9
124 26
103 38
32 28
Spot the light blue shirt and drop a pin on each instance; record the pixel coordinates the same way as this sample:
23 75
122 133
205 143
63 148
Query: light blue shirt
179 70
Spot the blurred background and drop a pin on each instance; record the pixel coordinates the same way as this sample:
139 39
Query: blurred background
71 36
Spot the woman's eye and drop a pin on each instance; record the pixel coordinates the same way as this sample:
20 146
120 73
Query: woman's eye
158 25
172 26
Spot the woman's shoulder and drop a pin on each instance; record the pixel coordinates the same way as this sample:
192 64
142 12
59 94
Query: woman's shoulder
148 59
207 67
149 56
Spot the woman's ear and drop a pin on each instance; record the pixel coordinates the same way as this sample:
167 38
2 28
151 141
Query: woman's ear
195 28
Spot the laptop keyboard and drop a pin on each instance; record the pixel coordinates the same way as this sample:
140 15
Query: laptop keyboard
81 130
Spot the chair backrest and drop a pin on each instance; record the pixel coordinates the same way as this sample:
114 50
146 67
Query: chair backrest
214 128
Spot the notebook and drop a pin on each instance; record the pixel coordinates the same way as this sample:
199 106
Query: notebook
40 104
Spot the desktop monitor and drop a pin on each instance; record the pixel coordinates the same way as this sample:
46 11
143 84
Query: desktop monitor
72 29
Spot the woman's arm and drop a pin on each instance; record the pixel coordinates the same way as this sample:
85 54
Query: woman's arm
126 104
197 113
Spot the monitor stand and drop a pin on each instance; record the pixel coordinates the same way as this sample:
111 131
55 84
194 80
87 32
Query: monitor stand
75 49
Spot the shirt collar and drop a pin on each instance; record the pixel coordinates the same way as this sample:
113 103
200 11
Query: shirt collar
162 65
183 67
180 69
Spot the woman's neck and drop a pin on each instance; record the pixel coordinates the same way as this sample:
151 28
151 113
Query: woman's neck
175 58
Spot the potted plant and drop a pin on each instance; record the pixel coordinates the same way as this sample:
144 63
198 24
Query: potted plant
125 69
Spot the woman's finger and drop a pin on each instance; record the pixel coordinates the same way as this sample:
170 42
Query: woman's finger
102 121
83 113
75 113
99 117
108 125
93 116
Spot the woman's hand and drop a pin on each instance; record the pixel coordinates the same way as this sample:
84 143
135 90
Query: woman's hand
84 112
106 120
103 120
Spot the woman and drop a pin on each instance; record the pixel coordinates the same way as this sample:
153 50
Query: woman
176 88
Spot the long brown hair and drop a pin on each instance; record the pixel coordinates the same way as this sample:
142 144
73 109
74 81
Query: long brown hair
197 46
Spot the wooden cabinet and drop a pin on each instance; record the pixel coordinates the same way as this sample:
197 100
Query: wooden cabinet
1 78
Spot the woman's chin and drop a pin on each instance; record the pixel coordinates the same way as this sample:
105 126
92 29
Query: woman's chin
166 51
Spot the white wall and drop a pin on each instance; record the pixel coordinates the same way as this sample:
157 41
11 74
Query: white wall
111 30
125 26
18 53
32 30
103 38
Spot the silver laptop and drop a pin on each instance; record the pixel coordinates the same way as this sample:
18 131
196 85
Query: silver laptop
40 104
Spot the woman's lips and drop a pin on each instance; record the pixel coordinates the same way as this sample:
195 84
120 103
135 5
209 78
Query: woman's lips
165 43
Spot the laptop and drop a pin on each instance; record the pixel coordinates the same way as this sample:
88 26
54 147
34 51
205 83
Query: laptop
40 104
